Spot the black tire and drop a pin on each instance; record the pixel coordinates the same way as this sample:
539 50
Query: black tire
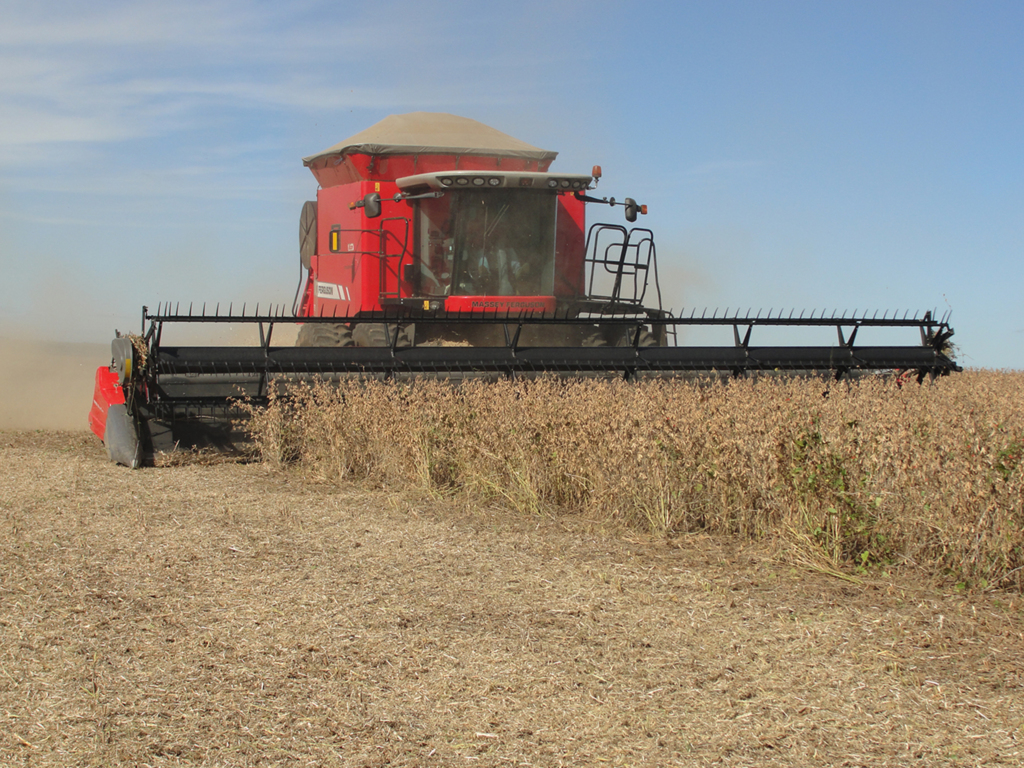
624 337
375 335
324 335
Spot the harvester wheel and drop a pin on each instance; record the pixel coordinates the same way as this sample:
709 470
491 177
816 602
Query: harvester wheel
374 335
624 337
596 338
324 335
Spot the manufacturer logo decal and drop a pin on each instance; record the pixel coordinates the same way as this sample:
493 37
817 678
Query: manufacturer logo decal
506 304
327 290
332 291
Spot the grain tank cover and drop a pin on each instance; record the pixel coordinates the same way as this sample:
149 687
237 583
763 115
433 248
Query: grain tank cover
420 142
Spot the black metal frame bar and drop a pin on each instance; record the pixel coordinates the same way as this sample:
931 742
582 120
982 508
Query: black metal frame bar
190 395
932 327
266 362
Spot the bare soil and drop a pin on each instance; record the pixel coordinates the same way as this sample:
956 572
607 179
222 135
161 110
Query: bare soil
225 614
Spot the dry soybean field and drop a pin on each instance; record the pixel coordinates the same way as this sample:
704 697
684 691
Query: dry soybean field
266 614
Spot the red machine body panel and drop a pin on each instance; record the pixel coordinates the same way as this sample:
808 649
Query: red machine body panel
359 262
106 393
506 250
570 247
346 271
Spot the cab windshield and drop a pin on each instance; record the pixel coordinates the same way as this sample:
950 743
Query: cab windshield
486 243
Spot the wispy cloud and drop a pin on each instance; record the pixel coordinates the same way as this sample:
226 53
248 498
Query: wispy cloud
110 72
22 124
115 72
119 24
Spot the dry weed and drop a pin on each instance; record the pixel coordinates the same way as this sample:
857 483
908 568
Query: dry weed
864 474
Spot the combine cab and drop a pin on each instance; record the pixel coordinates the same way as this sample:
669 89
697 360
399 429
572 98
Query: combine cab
426 217
439 246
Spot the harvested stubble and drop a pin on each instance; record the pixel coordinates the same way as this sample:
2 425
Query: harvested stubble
858 474
230 615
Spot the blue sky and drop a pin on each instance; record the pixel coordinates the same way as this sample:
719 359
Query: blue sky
801 155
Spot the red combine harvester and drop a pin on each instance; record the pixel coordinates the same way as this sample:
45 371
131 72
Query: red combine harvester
440 246
440 215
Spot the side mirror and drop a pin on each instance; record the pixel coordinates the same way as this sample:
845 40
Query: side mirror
371 204
631 209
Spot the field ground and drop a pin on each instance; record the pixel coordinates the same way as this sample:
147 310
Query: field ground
231 615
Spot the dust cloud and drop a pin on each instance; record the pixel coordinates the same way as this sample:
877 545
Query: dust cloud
48 384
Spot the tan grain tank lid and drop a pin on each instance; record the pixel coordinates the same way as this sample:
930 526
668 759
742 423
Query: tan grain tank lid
432 133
